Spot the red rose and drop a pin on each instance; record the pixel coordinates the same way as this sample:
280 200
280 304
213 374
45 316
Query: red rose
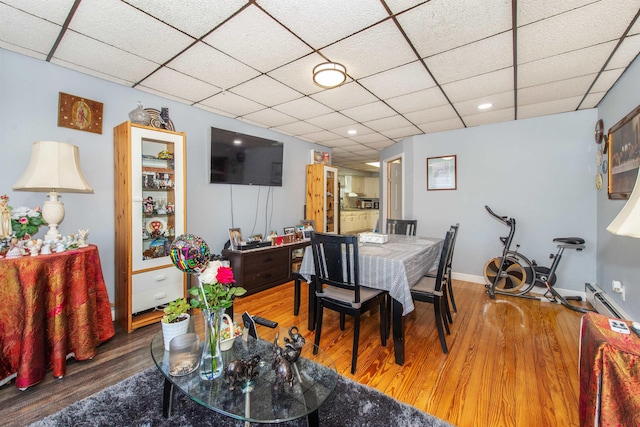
225 276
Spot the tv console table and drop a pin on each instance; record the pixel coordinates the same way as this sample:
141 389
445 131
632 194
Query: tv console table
263 268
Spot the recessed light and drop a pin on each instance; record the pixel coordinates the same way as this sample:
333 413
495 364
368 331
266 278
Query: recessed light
237 141
352 131
374 164
485 106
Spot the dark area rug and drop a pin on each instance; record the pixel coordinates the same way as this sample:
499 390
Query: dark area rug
137 401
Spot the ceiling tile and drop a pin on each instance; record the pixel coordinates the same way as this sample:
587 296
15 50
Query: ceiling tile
344 97
53 11
102 59
299 128
566 32
548 107
430 115
442 125
441 25
213 110
95 73
416 101
380 145
398 6
331 121
626 52
194 17
606 80
160 93
370 138
322 22
232 104
363 113
269 118
266 91
592 100
303 108
132 31
402 132
564 66
212 66
257 40
481 57
535 10
371 51
27 32
555 90
399 81
479 86
487 117
172 82
388 123
320 136
499 101
299 74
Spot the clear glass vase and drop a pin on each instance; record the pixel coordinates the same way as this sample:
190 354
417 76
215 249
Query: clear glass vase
211 359
140 116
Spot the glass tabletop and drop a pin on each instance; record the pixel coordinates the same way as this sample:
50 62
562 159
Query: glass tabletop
263 401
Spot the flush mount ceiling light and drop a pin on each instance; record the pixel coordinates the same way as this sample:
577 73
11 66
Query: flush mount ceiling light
352 132
329 74
485 106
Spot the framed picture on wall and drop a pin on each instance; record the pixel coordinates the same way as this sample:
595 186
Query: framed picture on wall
624 155
441 173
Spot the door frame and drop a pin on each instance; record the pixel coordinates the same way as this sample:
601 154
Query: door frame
385 187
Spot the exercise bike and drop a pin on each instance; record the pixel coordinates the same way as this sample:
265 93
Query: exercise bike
514 274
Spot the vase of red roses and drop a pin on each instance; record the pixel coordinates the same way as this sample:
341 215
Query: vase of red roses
213 295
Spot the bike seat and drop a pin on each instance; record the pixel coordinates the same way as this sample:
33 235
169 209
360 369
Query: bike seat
570 240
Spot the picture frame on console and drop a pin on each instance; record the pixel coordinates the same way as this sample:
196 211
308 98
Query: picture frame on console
235 238
289 230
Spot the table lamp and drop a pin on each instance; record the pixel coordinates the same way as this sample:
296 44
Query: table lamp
627 223
54 167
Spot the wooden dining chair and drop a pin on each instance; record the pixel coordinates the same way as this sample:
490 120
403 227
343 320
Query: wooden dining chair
432 290
338 288
448 272
402 226
295 273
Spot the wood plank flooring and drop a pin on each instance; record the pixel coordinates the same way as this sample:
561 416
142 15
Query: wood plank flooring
512 362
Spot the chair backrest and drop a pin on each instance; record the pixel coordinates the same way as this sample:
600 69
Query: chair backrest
455 229
336 261
402 226
444 258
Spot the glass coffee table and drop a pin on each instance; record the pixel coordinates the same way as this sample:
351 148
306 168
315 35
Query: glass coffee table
262 400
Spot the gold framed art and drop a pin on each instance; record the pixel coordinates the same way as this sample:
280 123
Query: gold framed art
79 113
623 155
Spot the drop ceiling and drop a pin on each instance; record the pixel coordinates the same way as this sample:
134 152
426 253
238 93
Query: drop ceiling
413 67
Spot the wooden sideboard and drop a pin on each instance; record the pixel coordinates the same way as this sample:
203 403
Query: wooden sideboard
262 268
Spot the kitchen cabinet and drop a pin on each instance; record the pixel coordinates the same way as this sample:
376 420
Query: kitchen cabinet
358 221
372 187
322 197
150 201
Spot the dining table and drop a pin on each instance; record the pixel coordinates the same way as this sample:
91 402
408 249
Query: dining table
394 266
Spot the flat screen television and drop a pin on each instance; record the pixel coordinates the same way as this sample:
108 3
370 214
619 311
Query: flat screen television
237 158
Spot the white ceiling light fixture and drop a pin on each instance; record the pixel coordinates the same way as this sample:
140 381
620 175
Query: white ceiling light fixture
374 164
485 106
329 74
352 132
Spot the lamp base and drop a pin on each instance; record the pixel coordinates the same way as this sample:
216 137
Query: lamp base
53 213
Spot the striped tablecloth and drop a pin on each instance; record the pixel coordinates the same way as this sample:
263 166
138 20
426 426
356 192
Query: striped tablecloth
394 266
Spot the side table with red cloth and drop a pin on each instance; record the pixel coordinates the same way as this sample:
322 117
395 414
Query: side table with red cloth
51 306
609 374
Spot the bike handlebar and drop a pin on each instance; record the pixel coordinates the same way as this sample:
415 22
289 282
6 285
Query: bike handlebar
502 219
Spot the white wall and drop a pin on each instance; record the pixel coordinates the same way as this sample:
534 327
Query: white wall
618 256
540 171
28 112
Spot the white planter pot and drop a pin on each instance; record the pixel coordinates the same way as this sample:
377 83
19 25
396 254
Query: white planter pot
171 330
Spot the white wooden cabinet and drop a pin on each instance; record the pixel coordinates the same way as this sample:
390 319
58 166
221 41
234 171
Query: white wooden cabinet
372 187
150 210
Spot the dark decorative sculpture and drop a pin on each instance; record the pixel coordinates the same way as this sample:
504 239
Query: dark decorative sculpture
238 371
285 357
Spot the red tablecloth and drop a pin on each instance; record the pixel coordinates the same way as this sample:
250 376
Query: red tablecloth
52 306
609 374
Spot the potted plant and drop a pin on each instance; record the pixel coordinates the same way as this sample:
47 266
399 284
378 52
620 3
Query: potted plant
213 295
175 320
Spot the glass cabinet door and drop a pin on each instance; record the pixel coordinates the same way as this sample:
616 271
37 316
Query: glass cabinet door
331 185
157 195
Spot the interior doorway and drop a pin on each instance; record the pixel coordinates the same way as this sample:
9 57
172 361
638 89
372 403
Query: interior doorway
393 198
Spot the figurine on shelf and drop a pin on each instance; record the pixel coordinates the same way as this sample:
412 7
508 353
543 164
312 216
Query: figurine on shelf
82 238
240 371
60 246
15 249
34 246
164 117
5 217
46 248
148 205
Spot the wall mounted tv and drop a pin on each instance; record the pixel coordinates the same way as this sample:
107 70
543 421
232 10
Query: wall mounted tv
237 158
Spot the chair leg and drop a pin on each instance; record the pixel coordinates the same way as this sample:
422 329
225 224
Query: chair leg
316 340
384 329
342 321
447 311
439 324
296 295
451 298
388 299
356 338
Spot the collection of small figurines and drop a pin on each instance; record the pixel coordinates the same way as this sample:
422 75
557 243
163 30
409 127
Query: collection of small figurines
239 371
35 247
285 357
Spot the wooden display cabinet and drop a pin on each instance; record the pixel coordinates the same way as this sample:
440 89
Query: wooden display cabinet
150 201
322 197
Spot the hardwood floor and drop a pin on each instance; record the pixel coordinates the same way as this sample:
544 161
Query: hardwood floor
511 361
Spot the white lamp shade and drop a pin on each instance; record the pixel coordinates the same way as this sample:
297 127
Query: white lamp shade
627 223
54 166
329 74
